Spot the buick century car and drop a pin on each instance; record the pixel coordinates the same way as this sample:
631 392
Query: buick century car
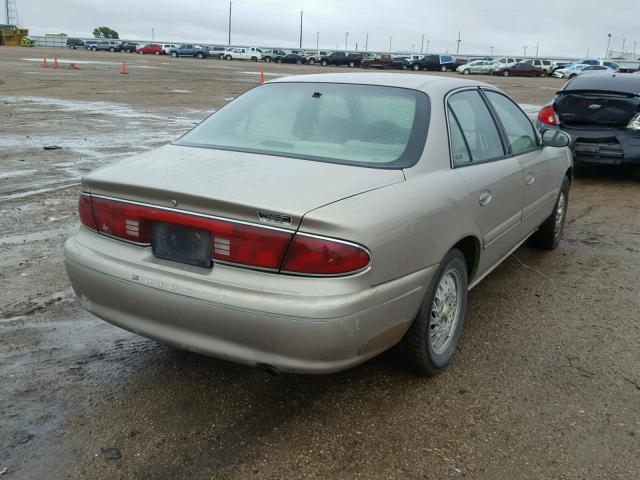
316 221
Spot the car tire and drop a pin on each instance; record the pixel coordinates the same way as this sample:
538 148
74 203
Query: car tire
466 71
279 61
547 237
157 53
298 62
174 54
430 342
228 57
443 68
324 63
112 49
254 59
416 67
94 49
140 52
544 73
352 64
505 73
200 55
312 61
268 59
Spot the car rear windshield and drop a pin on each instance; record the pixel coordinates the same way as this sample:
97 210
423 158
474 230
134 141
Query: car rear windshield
374 126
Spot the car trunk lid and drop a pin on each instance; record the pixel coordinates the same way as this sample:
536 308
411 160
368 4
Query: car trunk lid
589 108
234 185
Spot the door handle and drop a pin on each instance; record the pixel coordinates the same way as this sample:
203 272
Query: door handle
485 197
530 179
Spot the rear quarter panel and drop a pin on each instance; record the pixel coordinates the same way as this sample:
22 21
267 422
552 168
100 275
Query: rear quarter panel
407 226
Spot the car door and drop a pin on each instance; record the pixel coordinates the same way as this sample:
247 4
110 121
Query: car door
524 144
494 179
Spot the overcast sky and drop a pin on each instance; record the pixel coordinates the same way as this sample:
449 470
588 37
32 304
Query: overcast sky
563 27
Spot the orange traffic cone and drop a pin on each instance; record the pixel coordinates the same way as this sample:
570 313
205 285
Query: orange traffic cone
261 75
44 63
73 66
55 62
123 69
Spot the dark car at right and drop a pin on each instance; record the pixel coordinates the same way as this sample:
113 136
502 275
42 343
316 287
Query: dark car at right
601 114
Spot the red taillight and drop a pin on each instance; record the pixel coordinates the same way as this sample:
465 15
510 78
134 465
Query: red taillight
548 115
85 213
320 256
232 242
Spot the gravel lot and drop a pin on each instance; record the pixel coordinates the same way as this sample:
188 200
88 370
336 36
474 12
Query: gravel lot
546 383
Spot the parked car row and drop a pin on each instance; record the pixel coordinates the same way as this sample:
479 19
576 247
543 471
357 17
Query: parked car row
503 66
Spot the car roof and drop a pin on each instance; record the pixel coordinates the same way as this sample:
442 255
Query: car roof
615 82
403 80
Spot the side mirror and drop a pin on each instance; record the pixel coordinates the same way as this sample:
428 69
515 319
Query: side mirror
555 138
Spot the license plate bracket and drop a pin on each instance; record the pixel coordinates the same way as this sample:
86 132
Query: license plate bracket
182 244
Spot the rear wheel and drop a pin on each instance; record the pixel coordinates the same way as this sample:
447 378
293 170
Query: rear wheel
352 64
141 52
279 61
443 68
200 55
505 73
466 71
416 67
228 57
429 344
544 73
112 49
268 59
298 62
94 49
174 54
156 53
254 59
548 235
324 63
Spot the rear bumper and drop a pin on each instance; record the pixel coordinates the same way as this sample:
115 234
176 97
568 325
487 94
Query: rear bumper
294 332
602 146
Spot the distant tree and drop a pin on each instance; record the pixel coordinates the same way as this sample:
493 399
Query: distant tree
105 32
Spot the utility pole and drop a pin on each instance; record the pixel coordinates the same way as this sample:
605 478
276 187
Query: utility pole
301 29
491 51
588 52
390 38
427 46
318 43
537 46
606 53
346 41
422 44
524 49
413 48
459 40
366 44
153 35
356 46
634 50
229 22
624 40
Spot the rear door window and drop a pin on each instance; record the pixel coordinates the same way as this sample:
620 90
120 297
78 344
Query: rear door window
477 124
517 126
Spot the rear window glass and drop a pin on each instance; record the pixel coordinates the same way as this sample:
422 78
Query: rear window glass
366 125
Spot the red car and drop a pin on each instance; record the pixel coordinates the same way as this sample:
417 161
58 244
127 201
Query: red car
520 70
152 48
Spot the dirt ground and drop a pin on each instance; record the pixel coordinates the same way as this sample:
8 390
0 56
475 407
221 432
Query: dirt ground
546 384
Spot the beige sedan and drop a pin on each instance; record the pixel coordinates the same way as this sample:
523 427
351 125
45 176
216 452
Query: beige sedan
318 220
